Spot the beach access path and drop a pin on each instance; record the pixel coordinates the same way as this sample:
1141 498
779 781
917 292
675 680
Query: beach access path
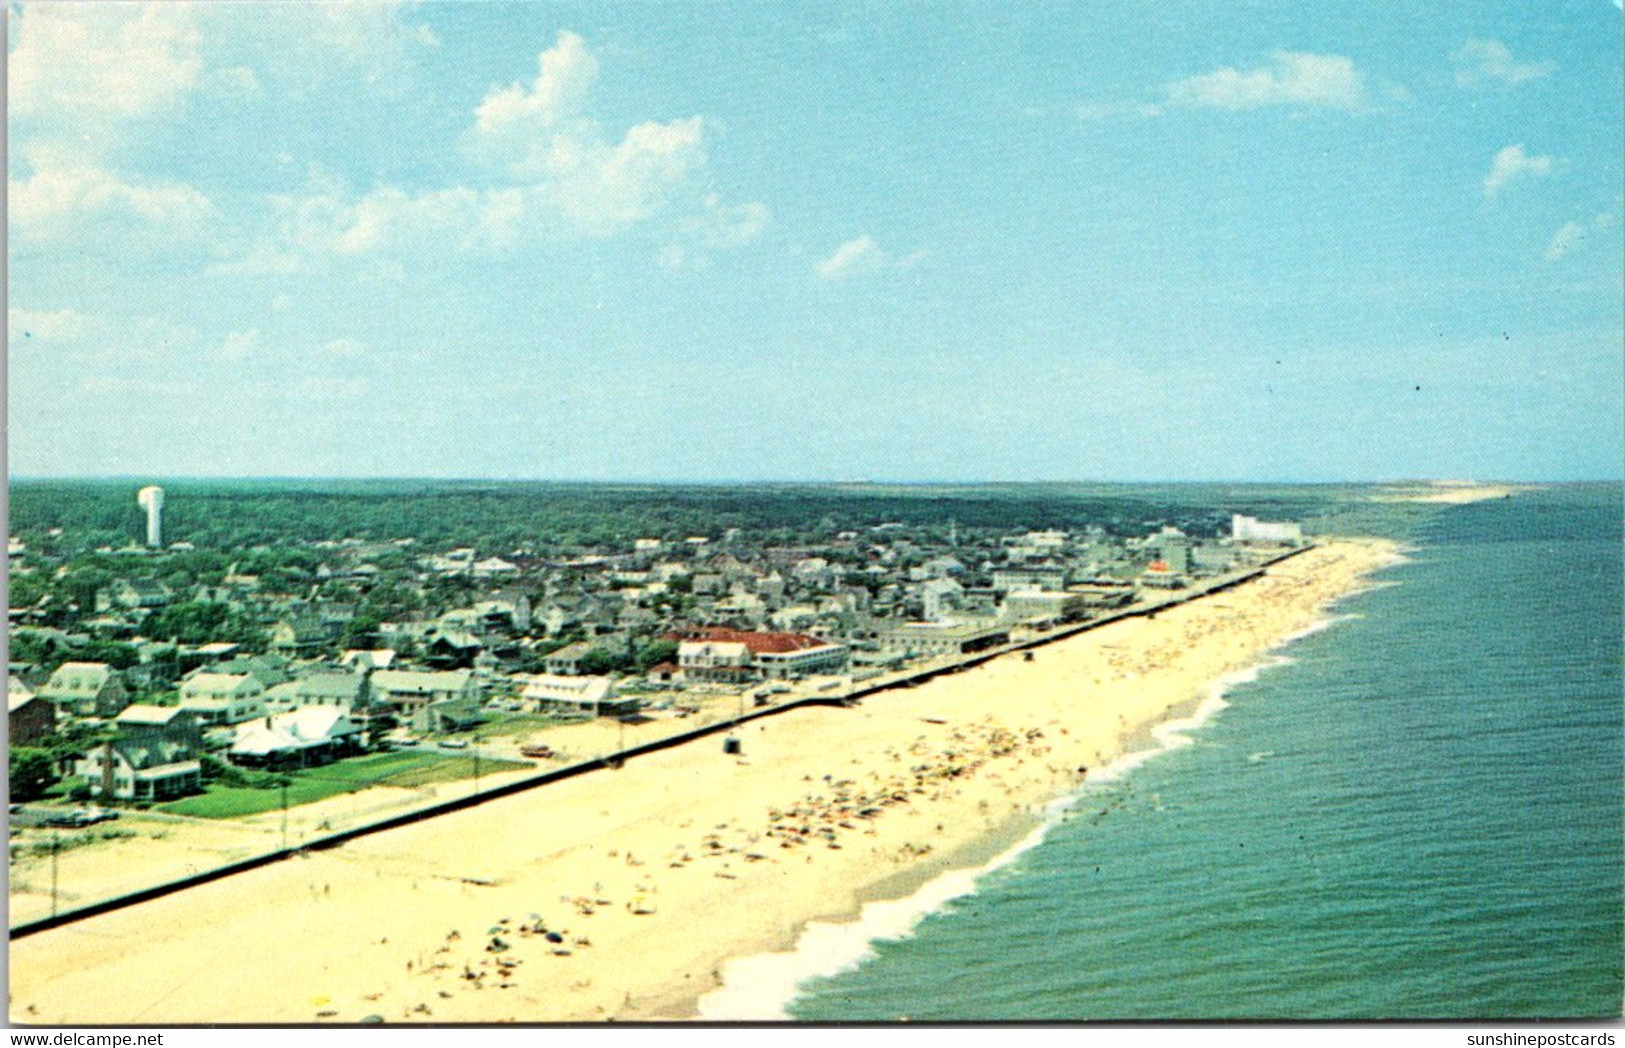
620 894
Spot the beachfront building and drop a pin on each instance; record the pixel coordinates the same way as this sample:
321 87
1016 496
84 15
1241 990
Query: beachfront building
1159 574
579 696
154 757
932 639
718 654
1045 606
940 598
1173 547
1250 529
1212 558
85 689
1030 577
314 735
223 698
429 701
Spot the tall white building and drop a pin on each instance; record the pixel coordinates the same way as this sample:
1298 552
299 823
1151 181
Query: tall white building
151 499
1251 529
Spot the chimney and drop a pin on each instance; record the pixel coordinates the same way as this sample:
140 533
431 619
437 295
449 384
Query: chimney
107 772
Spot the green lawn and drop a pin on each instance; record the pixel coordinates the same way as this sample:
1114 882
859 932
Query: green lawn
406 770
505 725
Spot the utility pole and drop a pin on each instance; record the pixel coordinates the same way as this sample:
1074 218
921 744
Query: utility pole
284 813
56 843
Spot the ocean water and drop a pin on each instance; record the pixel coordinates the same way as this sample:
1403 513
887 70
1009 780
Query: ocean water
1415 812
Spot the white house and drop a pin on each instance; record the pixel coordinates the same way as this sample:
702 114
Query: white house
223 698
305 736
428 701
591 696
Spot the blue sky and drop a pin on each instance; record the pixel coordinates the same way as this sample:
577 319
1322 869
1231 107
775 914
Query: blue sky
711 241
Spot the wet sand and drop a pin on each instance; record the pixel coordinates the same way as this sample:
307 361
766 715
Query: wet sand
618 895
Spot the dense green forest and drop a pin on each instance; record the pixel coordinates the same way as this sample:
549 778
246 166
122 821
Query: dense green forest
497 516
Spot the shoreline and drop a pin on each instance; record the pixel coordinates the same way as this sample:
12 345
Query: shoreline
675 864
973 862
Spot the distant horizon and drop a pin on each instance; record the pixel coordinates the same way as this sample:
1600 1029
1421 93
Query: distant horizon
155 478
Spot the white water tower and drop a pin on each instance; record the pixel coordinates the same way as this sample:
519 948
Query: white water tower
151 499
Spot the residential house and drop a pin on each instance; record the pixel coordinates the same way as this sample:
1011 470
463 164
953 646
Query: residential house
452 649
343 691
304 632
141 593
314 735
87 689
363 661
154 756
428 701
32 717
223 698
566 661
269 670
586 696
494 566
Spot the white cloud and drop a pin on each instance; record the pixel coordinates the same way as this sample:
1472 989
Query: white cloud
1513 164
715 226
554 172
1563 241
1292 79
565 74
1480 61
318 44
857 256
1572 235
538 135
78 61
90 206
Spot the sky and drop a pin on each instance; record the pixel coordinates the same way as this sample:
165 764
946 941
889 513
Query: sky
749 241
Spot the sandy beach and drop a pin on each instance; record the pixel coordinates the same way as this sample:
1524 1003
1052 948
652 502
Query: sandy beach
619 895
1451 492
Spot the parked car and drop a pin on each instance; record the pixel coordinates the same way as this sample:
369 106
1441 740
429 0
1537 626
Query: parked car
79 817
536 752
454 744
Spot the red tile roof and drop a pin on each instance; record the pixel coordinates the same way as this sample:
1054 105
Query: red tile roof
757 643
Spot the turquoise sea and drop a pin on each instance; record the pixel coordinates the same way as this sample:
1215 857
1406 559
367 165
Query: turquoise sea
1415 812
